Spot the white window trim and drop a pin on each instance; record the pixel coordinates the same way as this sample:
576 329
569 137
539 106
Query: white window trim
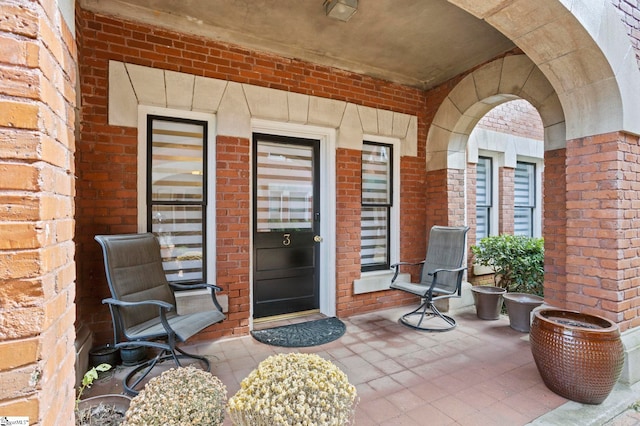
497 161
371 281
143 112
537 216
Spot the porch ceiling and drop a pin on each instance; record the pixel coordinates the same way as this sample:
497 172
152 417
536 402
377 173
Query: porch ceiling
421 43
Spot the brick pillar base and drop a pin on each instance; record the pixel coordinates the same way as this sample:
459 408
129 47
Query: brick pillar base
555 227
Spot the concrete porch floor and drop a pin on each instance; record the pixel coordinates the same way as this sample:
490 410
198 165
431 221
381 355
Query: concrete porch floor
480 373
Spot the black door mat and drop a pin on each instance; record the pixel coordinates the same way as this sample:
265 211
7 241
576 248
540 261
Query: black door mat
310 333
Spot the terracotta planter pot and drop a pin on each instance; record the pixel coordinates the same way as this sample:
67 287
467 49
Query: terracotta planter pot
488 301
579 356
519 307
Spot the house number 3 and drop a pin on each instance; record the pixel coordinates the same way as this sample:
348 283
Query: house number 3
286 240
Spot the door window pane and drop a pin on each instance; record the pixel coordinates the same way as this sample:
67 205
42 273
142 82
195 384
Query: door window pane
285 187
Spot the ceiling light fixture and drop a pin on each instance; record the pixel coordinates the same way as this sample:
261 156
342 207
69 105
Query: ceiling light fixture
342 10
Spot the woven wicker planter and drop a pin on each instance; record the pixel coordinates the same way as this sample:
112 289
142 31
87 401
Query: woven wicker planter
579 356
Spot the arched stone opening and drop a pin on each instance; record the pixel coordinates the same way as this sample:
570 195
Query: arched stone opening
587 62
500 81
583 50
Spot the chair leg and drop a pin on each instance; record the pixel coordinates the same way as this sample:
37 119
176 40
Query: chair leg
427 310
147 367
164 355
194 356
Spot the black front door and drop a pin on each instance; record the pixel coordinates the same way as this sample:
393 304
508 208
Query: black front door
286 222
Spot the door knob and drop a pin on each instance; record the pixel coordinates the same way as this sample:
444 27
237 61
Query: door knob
317 239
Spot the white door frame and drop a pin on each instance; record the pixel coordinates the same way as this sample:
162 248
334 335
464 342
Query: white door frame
327 268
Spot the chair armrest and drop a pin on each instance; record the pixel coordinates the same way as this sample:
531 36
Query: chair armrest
435 271
163 306
122 303
194 286
435 274
396 266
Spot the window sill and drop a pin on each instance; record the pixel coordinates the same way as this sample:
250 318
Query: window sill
190 301
370 282
482 270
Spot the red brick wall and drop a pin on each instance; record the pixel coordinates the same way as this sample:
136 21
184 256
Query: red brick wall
630 16
107 158
555 227
413 213
348 195
348 209
456 196
518 118
438 206
232 232
603 236
506 195
37 272
446 199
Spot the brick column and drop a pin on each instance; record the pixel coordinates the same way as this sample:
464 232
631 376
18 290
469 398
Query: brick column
37 271
472 221
555 227
603 236
445 203
445 197
455 195
348 210
233 193
506 196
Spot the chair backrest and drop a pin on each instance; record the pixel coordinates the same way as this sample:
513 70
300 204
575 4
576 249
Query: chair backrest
133 264
447 249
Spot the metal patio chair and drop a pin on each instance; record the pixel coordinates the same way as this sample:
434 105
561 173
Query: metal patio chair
143 304
440 278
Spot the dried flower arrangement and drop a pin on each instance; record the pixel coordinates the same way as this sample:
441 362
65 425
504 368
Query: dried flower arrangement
185 396
294 389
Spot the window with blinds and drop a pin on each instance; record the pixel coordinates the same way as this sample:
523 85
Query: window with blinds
285 187
484 198
177 195
377 160
524 198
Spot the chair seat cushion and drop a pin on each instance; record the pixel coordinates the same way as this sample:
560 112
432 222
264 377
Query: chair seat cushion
417 289
184 326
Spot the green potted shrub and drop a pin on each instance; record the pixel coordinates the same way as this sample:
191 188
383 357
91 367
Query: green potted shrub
518 265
